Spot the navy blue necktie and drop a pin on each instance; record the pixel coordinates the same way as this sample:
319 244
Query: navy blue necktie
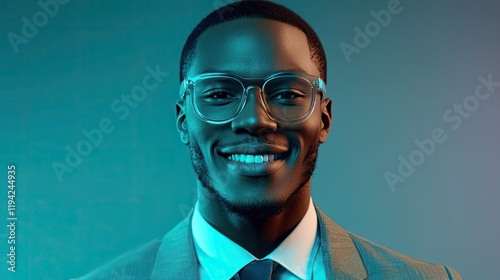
257 270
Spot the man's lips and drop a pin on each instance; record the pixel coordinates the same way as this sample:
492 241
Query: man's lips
254 160
254 153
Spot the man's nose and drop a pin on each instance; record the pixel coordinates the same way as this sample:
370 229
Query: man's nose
253 118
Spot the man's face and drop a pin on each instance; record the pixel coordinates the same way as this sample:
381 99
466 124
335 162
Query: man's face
253 48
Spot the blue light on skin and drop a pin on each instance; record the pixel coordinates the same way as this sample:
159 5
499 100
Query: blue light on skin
254 48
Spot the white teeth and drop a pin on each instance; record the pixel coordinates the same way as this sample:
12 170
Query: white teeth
252 158
259 159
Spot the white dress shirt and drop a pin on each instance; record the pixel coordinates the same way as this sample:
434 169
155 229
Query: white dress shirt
220 258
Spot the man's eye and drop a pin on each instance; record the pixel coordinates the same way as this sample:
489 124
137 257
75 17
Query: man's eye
218 96
285 95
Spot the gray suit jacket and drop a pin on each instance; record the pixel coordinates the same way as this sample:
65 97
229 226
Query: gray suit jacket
345 256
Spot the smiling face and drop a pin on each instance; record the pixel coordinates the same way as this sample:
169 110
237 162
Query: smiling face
253 166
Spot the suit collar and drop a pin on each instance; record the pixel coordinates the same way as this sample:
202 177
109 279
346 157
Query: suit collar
176 258
341 258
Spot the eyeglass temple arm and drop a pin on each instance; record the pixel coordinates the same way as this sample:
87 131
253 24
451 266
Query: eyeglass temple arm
320 84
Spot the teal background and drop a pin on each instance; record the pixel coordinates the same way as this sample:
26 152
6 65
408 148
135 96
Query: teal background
138 183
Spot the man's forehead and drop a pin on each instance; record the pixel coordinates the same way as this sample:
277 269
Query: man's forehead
252 47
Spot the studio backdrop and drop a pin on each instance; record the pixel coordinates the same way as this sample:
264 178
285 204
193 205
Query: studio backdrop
91 164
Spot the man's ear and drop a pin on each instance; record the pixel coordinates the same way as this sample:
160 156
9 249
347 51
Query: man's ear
181 121
326 119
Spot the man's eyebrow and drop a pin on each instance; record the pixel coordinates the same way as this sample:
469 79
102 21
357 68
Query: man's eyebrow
232 72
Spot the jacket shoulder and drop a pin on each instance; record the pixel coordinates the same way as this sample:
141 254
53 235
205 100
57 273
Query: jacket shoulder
136 263
151 259
384 263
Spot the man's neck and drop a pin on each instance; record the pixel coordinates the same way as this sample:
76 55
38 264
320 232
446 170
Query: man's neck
258 236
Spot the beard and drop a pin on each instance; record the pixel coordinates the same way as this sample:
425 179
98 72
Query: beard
253 210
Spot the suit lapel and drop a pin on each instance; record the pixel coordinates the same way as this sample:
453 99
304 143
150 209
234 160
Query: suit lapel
340 256
176 257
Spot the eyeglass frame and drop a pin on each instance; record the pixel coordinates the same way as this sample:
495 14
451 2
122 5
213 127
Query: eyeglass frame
317 85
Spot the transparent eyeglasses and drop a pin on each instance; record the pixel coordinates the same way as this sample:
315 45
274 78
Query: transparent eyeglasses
288 97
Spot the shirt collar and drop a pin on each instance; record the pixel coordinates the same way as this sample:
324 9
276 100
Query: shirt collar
222 258
294 252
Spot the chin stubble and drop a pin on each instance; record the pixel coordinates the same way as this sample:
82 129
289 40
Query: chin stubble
251 211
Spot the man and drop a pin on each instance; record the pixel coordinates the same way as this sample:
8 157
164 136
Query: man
253 110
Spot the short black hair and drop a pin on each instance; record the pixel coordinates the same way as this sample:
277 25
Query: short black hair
253 9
